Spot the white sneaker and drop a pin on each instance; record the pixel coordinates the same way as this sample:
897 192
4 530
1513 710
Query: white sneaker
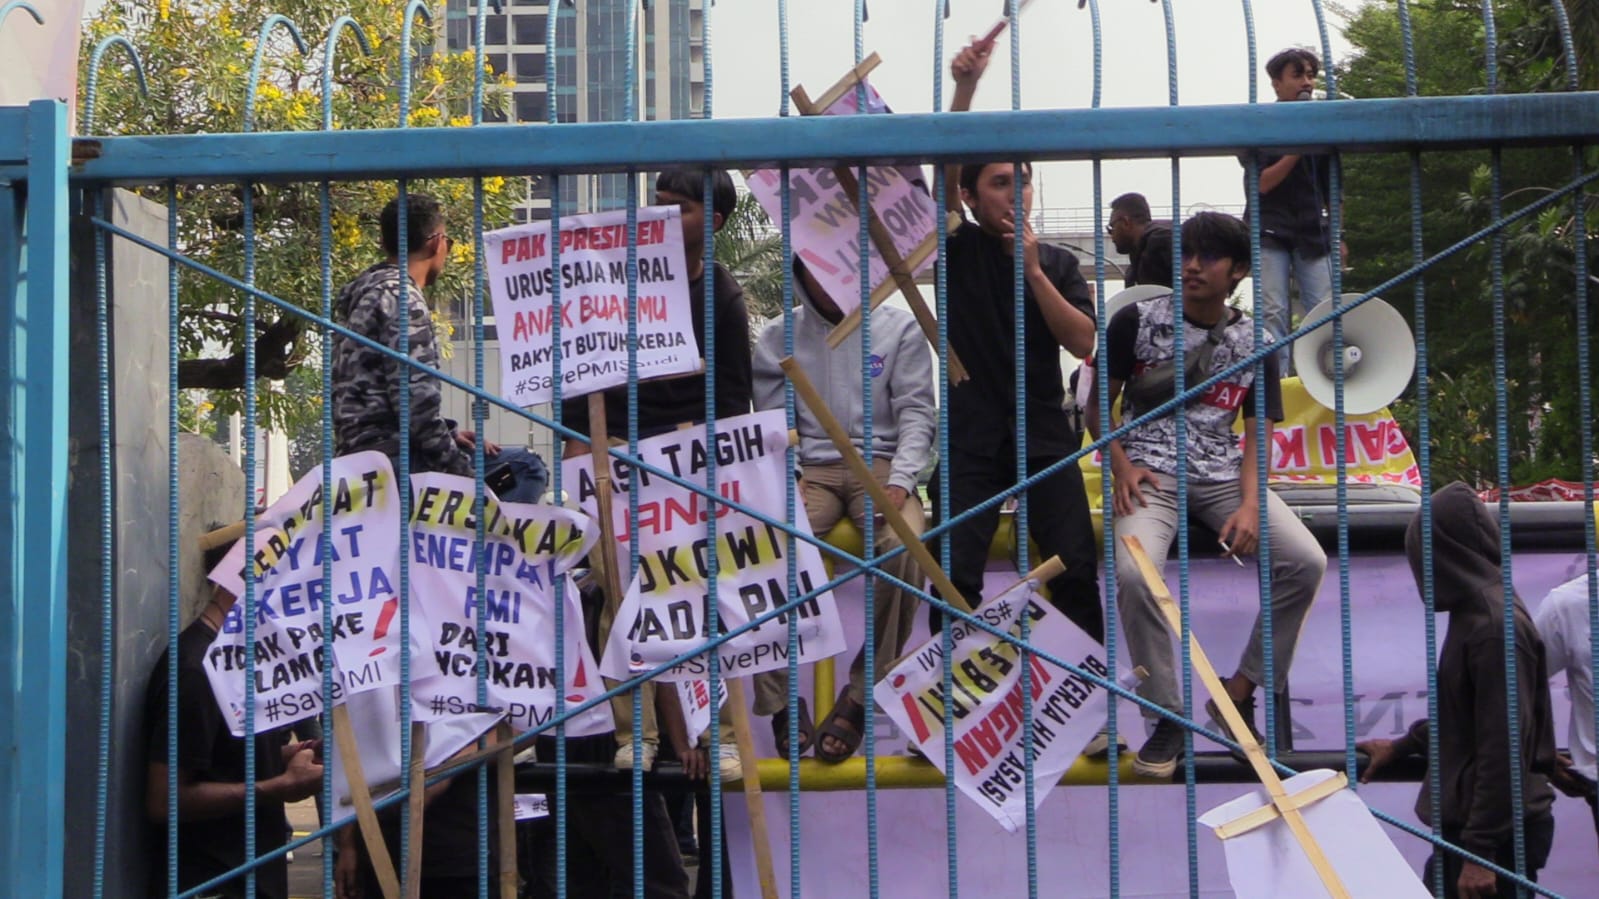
1099 746
624 756
728 762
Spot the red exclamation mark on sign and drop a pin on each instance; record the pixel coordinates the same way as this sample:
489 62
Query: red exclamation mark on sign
382 630
815 261
579 681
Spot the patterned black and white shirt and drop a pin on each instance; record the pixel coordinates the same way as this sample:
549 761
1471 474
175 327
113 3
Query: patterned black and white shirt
1142 335
367 383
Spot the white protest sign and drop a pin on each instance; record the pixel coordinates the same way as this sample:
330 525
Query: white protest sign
1267 861
990 754
663 614
527 550
594 303
375 722
695 697
532 805
825 228
289 596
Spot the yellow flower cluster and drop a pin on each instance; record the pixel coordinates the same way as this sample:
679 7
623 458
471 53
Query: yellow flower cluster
346 231
425 116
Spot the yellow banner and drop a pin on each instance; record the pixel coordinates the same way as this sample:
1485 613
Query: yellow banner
1304 447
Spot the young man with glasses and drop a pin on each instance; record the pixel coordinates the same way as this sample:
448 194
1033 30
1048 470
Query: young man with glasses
1223 480
1145 243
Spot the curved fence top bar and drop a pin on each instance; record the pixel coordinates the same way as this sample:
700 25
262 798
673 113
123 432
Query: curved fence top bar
92 89
329 54
272 21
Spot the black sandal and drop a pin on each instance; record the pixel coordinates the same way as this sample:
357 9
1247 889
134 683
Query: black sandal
780 729
846 724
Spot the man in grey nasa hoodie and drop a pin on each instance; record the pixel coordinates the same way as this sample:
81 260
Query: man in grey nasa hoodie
899 369
1474 773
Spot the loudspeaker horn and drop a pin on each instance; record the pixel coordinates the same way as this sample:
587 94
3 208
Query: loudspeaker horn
1379 356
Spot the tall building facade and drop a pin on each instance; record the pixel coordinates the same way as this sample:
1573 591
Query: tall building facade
591 85
590 54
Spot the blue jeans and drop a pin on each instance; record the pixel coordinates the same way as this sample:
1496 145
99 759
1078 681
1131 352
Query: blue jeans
1313 274
517 475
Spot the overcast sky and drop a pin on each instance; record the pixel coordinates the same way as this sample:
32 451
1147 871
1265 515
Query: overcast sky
1056 71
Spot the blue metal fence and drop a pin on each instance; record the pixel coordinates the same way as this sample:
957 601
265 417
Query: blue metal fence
38 187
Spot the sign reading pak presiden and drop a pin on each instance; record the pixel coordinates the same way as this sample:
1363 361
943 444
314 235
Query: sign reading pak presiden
593 314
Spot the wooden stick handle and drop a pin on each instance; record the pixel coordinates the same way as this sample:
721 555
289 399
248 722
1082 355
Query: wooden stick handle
222 535
802 100
738 708
900 273
599 446
416 799
863 474
1235 723
377 851
505 794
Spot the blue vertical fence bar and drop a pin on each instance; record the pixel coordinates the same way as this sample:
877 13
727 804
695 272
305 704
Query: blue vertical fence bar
33 681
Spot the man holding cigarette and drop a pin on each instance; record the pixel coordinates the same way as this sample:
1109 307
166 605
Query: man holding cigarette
1223 480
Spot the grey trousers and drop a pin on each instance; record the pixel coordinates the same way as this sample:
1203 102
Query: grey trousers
832 492
1297 565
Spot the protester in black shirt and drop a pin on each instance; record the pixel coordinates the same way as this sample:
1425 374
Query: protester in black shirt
211 781
986 430
1146 243
1294 193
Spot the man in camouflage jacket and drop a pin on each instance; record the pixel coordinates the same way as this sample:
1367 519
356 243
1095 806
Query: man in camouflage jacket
368 384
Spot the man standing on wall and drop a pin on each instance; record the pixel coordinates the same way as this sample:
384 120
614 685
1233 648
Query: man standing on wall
1295 238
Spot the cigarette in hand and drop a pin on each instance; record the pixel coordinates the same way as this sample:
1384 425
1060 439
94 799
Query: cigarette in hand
1229 551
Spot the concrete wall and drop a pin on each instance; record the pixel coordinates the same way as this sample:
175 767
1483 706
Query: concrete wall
136 551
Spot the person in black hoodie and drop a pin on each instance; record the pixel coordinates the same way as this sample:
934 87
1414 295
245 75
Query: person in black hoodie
1473 728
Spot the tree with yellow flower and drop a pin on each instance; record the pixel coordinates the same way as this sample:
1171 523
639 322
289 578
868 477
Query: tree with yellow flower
197 56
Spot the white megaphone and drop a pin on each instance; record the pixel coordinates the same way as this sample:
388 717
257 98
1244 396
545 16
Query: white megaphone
1120 300
1135 294
1379 356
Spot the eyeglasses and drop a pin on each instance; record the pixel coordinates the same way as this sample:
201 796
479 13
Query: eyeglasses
449 242
1111 227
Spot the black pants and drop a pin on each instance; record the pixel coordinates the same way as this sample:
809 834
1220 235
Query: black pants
1057 520
1538 837
599 839
1593 805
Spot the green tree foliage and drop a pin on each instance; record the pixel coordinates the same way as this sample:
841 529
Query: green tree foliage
752 250
197 56
1449 42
